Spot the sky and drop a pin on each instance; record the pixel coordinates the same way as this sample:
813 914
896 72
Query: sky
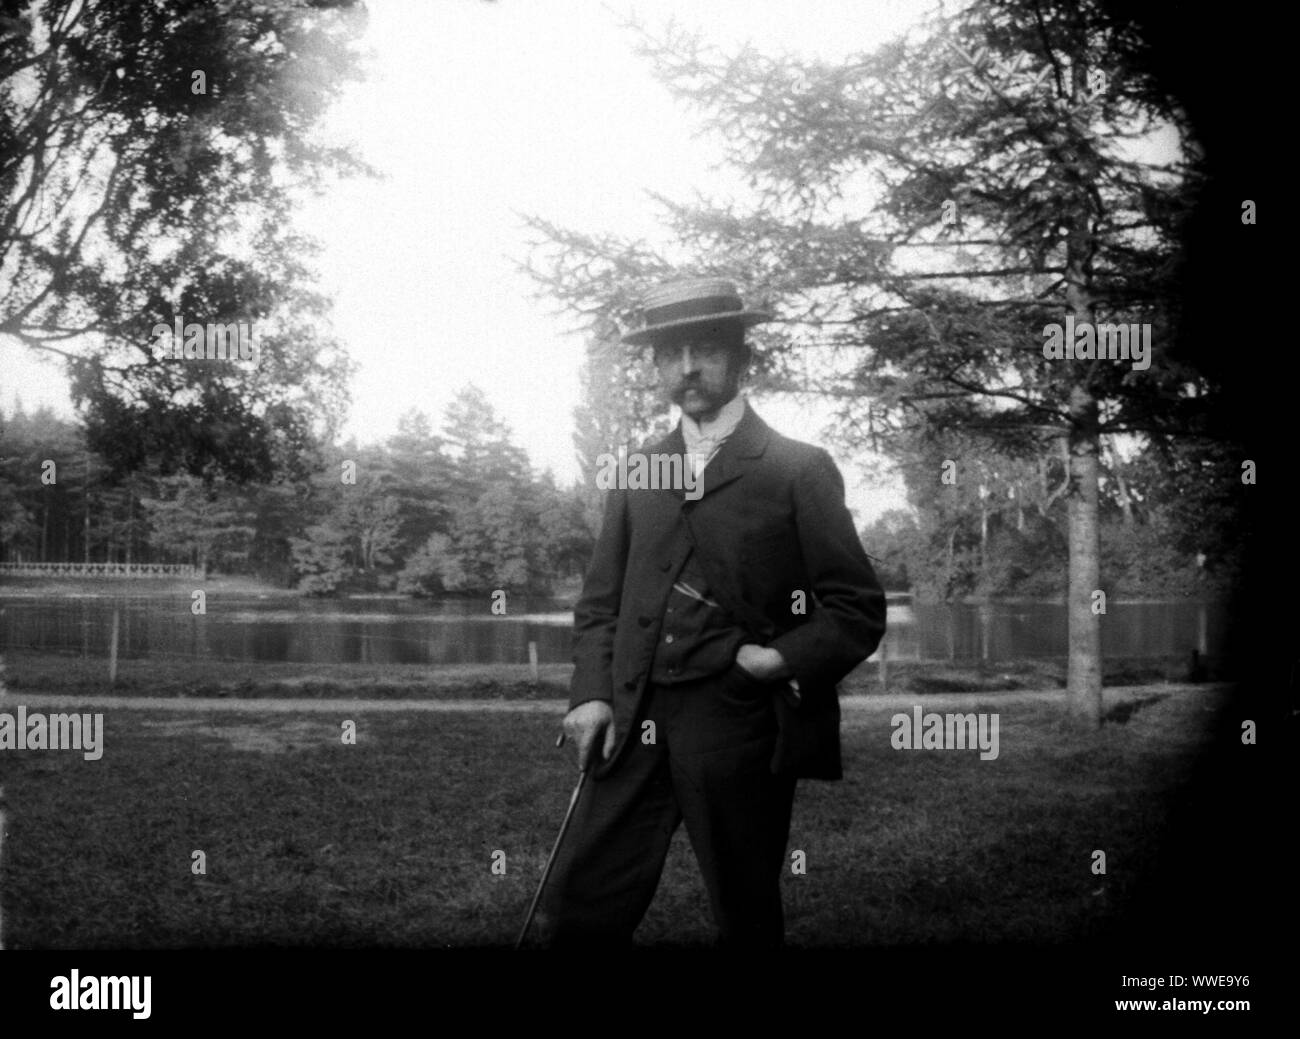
477 113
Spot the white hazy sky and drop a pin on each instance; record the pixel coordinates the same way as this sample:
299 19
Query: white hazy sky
477 112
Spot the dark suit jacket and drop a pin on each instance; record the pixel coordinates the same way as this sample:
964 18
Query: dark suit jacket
771 522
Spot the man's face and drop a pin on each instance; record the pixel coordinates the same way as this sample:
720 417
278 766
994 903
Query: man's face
700 371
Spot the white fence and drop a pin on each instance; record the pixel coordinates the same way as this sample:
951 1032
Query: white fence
98 570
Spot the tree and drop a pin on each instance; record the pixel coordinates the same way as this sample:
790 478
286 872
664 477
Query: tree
892 537
322 558
355 540
505 529
512 537
20 530
150 153
480 445
422 479
616 409
209 523
566 538
985 524
924 213
55 477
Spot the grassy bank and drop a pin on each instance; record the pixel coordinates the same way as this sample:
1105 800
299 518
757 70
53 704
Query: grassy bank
28 671
134 587
389 842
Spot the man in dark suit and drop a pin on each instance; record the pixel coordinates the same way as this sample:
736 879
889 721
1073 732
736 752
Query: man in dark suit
710 635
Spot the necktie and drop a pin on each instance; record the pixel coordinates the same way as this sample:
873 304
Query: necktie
703 451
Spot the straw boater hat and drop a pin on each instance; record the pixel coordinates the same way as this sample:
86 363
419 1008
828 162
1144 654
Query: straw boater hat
693 301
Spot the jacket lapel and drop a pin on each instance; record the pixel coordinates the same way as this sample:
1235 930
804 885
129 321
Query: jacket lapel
747 441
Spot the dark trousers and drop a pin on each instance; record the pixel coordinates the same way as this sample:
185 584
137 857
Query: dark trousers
709 765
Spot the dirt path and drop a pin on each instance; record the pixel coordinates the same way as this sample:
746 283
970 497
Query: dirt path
931 701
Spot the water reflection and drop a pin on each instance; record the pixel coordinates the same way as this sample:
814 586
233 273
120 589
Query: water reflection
401 632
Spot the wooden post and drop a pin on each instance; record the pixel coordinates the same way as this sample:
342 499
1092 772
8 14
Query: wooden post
883 651
3 692
2 861
532 663
112 651
1202 633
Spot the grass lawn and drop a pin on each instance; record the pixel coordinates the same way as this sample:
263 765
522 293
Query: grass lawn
45 672
310 842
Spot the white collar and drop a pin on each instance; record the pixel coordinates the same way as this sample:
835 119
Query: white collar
720 426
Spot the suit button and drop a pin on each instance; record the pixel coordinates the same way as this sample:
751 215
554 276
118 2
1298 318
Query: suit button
667 566
668 638
630 686
645 622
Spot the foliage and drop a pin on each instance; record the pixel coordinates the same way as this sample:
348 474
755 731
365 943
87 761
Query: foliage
923 213
209 524
616 409
506 531
405 514
151 152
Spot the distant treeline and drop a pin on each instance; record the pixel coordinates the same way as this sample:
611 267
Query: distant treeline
461 513
988 524
456 513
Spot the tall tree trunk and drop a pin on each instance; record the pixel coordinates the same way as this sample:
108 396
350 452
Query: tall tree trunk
952 538
86 523
1116 465
984 528
1083 681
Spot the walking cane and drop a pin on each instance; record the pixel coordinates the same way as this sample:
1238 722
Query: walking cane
546 873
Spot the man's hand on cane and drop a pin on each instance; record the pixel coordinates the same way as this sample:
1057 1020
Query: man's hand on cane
586 725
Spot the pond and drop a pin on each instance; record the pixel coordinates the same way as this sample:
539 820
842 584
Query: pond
399 631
